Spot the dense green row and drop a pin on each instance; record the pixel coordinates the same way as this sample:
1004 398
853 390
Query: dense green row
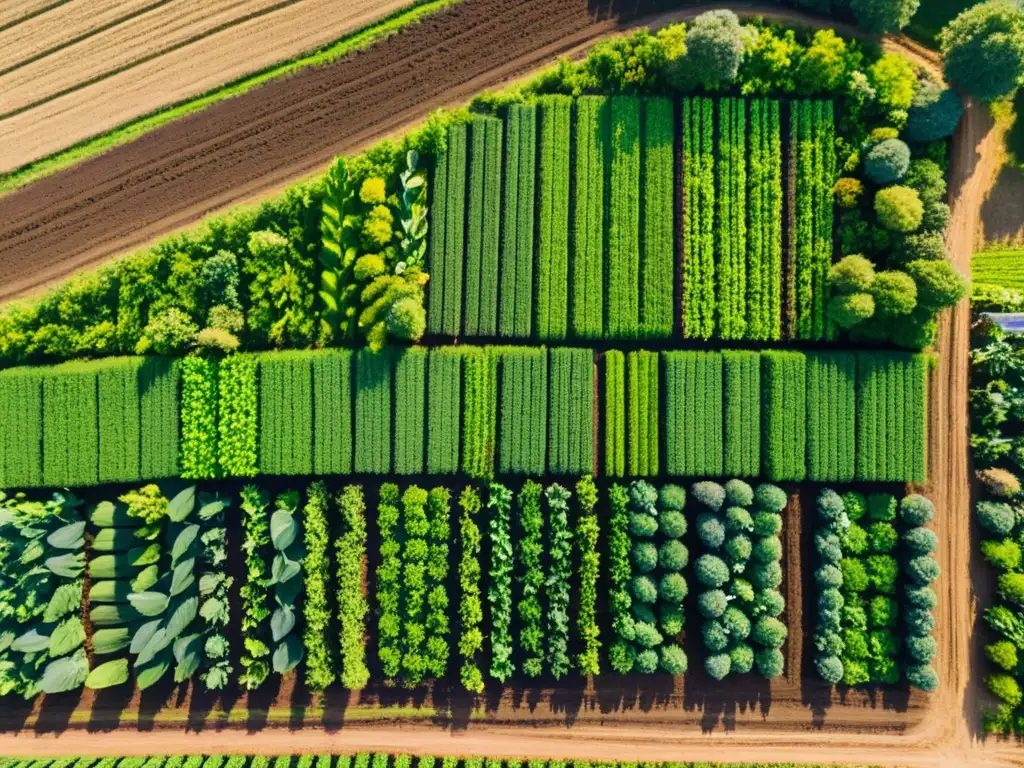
732 219
501 258
812 172
786 415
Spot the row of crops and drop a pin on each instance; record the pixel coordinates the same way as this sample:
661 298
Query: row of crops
508 192
783 415
492 582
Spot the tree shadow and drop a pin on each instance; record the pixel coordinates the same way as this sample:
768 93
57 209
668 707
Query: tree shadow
259 703
1002 215
721 700
108 706
14 712
56 711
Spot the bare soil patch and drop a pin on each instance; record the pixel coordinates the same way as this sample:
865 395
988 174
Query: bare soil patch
85 67
1002 214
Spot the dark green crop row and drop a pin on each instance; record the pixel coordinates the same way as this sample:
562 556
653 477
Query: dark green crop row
782 415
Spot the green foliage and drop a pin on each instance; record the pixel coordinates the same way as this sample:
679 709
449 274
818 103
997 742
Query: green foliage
320 649
698 218
199 434
479 418
516 294
831 409
471 638
483 225
891 414
559 549
983 49
236 416
587 535
715 45
374 393
523 419
551 304
887 161
784 423
592 144
884 15
499 591
340 239
899 208
444 406
695 399
530 576
255 590
350 552
286 402
570 422
281 302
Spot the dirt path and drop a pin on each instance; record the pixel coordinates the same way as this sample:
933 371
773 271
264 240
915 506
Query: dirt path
87 66
940 730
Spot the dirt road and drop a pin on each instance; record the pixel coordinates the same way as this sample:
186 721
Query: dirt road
87 66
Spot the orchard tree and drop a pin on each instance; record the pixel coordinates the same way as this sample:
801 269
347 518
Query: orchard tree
884 15
983 49
715 44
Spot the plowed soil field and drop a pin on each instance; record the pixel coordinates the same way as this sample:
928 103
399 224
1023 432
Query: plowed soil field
83 67
257 142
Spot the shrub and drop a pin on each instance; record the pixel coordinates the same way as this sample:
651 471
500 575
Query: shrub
854 576
647 661
995 516
673 556
855 540
671 497
922 597
899 209
718 665
741 657
829 577
882 611
855 504
848 191
736 623
715 637
645 556
647 635
922 648
882 538
642 526
936 216
999 482
738 549
939 285
921 541
769 632
825 65
934 113
1011 587
895 82
770 662
830 668
643 613
883 15
738 494
770 497
710 530
926 246
767 550
738 520
1004 555
928 178
672 524
767 524
168 333
887 161
919 622
830 599
769 603
882 571
711 571
1006 688
710 494
881 507
673 660
741 590
712 603
643 589
671 619
851 274
849 310
983 49
1003 654
830 506
672 588
916 510
767 575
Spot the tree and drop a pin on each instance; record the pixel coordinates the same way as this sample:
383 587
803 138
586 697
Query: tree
1004 555
851 274
999 482
983 49
995 516
895 293
847 311
848 191
934 113
825 64
1003 654
928 246
899 209
718 665
894 80
884 15
939 285
928 178
887 161
715 45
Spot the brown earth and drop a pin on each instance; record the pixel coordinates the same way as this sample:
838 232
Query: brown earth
88 66
740 720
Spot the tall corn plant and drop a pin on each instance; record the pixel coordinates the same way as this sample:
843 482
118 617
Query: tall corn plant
339 228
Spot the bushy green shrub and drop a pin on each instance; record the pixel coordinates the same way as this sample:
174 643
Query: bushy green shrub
934 113
710 530
851 274
887 161
1004 555
711 571
995 516
983 49
712 603
899 209
708 493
